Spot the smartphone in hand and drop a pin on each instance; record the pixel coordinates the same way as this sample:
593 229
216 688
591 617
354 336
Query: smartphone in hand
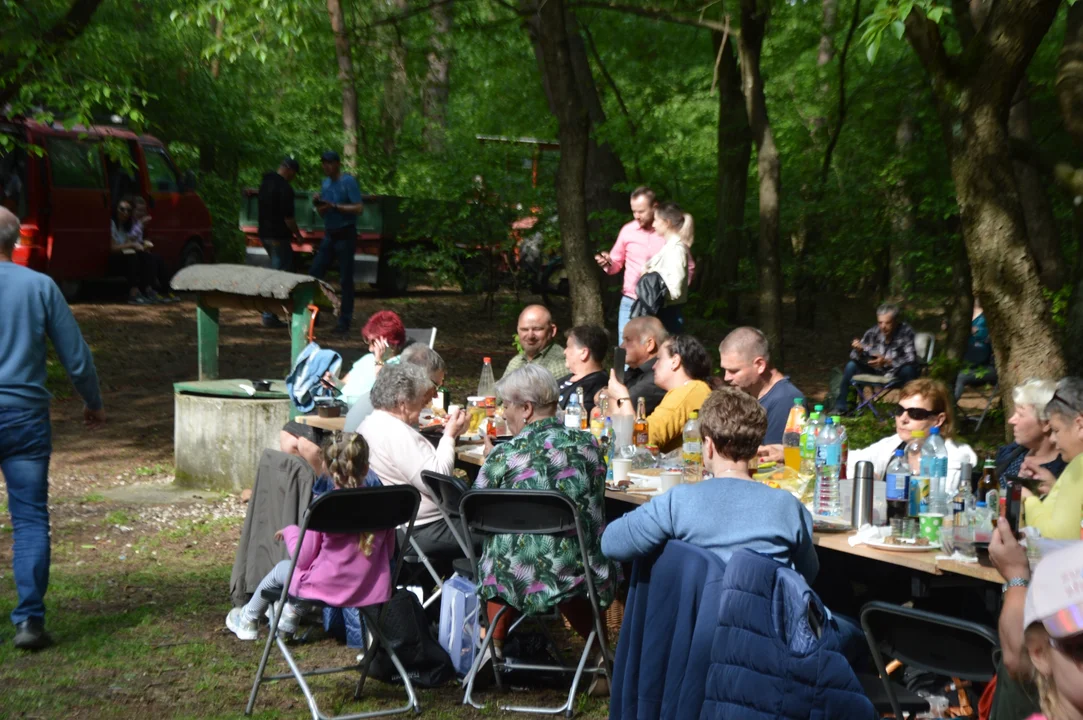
1012 502
620 358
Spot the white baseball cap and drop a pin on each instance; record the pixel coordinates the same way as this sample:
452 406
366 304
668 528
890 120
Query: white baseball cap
1055 595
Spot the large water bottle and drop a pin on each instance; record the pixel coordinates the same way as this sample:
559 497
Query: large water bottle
934 465
573 414
828 459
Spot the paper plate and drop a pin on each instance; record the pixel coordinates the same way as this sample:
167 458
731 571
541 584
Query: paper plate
880 545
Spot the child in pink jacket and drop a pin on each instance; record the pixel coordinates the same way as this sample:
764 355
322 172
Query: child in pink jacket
338 569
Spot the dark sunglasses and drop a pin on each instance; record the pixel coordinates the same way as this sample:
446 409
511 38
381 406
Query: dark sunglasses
1070 647
918 414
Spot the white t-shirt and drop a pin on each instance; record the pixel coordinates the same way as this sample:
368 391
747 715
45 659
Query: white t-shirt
881 452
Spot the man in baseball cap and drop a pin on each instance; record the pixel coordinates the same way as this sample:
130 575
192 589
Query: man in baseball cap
339 204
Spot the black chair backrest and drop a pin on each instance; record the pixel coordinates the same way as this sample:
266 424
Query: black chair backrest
518 512
446 490
358 510
932 642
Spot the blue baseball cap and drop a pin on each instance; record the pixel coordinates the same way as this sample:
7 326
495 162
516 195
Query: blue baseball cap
330 156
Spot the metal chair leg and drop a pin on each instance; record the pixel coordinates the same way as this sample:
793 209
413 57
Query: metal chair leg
468 696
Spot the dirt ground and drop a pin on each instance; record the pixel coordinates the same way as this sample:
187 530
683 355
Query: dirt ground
150 579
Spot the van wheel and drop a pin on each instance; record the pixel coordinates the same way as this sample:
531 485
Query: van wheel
70 289
191 255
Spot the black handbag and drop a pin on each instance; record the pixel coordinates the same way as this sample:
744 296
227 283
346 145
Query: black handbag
650 295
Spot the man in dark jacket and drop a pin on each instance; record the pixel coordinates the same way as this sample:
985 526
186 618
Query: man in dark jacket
33 309
277 226
643 338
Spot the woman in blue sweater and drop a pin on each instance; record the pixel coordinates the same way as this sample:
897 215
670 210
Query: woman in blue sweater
729 511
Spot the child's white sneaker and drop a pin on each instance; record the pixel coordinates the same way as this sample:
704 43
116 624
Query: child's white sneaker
287 624
241 626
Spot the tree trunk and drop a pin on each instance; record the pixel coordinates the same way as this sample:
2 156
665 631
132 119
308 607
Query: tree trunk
1070 74
395 86
1037 210
346 81
961 310
750 45
826 50
734 153
434 97
1073 333
903 219
547 25
973 94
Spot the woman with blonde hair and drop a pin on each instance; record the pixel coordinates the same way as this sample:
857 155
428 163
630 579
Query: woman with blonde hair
923 404
671 262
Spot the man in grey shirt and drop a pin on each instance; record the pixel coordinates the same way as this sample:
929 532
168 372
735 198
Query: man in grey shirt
416 354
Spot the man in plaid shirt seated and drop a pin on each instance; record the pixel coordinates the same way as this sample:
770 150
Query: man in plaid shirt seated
885 349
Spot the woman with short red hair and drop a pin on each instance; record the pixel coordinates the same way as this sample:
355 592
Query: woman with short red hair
386 338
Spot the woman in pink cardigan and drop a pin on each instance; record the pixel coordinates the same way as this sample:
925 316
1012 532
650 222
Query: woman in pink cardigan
339 569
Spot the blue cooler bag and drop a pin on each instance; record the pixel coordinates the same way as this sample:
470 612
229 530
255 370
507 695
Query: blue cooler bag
459 629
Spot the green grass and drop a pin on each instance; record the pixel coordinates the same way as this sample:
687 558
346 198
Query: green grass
158 469
119 517
92 498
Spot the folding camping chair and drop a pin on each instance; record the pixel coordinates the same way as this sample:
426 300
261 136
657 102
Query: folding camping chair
924 641
533 512
352 511
446 491
426 336
881 385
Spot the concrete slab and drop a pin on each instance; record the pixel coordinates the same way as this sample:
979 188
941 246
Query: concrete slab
156 493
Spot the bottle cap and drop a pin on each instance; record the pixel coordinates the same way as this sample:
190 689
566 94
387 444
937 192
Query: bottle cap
829 421
818 408
694 414
898 452
799 401
918 434
487 359
934 431
981 503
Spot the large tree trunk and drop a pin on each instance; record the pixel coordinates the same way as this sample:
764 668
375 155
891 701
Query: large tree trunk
395 86
734 153
346 82
1070 98
961 310
434 97
547 25
903 219
1037 210
973 95
753 28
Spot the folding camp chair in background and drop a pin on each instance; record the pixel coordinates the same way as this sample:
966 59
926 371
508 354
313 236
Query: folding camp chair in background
534 512
426 336
352 511
881 385
923 641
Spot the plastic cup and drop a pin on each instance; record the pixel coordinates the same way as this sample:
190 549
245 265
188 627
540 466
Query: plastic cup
670 479
930 524
621 468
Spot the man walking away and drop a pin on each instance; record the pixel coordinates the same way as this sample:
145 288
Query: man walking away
339 204
33 309
277 226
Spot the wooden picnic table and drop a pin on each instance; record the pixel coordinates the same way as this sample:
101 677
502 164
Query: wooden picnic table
334 424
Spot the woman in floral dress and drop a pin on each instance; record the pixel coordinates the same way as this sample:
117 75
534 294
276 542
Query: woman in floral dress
533 573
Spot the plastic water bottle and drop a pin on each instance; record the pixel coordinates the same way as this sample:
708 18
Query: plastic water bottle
573 414
828 457
897 479
844 442
808 442
692 450
934 465
486 383
791 438
913 451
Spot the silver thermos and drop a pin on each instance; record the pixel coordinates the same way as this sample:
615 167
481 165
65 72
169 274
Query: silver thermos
863 495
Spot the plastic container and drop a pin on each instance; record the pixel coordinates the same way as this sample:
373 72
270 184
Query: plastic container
459 629
828 458
791 438
692 450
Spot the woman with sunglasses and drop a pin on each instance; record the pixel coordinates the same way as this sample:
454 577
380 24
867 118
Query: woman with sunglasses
1060 513
923 404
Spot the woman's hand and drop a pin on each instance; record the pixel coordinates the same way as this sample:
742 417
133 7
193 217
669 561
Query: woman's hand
456 423
617 392
1008 556
770 453
379 348
278 535
1031 468
487 446
329 381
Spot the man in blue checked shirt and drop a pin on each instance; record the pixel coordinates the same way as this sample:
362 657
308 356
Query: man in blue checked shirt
339 204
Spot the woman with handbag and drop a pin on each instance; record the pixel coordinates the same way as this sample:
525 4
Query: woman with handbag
671 262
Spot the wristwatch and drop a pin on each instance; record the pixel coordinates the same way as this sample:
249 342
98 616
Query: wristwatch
1015 582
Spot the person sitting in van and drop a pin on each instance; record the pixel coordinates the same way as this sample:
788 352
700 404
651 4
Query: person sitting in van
128 246
159 278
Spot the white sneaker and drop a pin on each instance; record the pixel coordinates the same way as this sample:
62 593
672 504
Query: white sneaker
287 624
241 626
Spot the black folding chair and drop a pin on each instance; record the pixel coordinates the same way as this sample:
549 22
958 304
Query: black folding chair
533 512
447 492
352 511
924 641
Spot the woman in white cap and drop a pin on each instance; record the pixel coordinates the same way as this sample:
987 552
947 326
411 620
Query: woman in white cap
1053 622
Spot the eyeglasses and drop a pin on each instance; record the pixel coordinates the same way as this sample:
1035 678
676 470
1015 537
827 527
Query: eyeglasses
1071 647
1057 397
915 413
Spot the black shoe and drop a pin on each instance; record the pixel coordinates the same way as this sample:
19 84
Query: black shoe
273 323
341 330
30 635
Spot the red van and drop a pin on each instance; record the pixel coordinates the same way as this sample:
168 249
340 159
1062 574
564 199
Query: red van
64 186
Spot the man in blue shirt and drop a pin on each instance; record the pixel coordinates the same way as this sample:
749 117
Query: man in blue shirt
746 361
33 308
339 204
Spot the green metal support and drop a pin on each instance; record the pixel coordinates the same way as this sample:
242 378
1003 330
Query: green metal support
207 341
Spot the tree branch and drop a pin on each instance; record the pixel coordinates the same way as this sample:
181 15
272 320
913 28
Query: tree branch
855 20
62 32
609 79
653 14
1005 44
924 37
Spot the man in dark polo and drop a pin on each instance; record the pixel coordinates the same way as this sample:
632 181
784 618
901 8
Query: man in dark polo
277 226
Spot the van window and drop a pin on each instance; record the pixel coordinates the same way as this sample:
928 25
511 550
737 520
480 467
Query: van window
122 176
13 188
163 178
75 164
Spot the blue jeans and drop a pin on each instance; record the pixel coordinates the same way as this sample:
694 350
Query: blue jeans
280 253
905 374
623 316
339 243
26 443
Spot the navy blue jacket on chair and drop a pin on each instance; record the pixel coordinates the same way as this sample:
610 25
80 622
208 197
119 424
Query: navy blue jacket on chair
665 640
768 660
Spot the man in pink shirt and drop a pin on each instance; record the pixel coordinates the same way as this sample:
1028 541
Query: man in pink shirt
636 243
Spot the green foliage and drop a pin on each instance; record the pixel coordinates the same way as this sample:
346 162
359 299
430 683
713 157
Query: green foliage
891 15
